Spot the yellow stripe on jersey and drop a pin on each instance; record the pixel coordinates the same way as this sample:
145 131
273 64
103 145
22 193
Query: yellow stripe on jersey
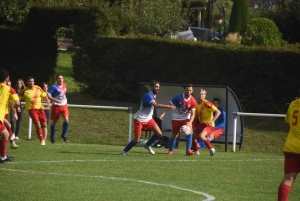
33 97
292 143
204 112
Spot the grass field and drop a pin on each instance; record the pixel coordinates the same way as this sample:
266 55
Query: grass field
98 172
91 167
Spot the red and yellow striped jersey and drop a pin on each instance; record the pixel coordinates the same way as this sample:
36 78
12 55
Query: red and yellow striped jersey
33 97
204 112
6 93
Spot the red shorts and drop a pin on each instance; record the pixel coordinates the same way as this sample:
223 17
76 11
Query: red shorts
138 126
59 110
37 115
2 126
217 132
291 163
176 124
200 127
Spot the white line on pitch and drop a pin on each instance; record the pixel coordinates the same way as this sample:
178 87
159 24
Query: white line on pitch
170 161
208 197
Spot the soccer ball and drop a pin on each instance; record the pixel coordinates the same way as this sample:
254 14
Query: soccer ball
185 130
142 142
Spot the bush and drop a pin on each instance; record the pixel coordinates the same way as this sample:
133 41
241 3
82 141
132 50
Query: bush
262 31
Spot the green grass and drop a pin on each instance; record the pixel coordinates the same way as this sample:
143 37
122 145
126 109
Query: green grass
90 167
98 172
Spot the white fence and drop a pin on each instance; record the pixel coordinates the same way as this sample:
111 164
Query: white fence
235 114
96 107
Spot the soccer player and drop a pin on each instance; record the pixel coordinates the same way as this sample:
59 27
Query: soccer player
183 115
143 119
219 125
57 95
6 93
9 107
291 150
33 96
204 123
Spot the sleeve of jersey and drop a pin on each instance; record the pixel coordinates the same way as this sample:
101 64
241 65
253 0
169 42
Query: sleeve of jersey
147 100
13 94
43 93
174 100
50 90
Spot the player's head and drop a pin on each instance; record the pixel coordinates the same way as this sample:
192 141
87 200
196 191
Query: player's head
188 89
59 79
4 76
216 102
154 86
30 82
202 94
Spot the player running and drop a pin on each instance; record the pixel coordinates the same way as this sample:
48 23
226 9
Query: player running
6 93
57 95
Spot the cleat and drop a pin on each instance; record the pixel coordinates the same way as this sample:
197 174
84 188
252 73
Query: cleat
65 138
14 146
149 149
170 152
52 140
189 152
212 152
43 143
17 138
124 153
8 158
197 152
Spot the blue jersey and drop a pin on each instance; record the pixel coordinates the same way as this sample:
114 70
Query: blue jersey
183 107
58 92
145 112
221 120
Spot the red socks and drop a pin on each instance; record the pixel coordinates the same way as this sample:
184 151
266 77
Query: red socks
39 132
283 192
207 143
3 145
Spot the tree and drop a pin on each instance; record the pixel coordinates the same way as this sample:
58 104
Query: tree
286 16
239 17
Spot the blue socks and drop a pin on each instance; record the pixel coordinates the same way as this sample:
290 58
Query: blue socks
65 128
152 140
172 144
53 129
188 140
201 143
129 146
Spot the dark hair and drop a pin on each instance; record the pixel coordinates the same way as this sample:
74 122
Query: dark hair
216 99
29 78
188 85
58 75
44 83
154 82
3 75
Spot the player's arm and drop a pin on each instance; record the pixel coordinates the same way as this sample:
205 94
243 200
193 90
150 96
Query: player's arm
217 114
190 123
52 98
158 105
46 99
163 114
14 110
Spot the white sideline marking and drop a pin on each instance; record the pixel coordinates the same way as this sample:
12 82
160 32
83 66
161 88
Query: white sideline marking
81 161
208 197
